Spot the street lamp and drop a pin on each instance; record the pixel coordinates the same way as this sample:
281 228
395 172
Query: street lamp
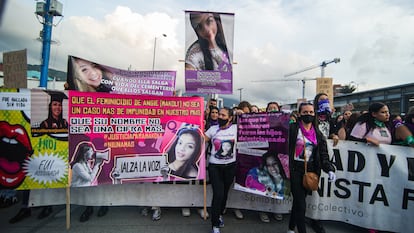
155 47
240 89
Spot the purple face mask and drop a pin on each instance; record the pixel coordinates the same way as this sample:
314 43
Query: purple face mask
324 107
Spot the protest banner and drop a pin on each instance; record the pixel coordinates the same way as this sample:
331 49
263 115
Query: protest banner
209 69
262 154
30 160
85 75
374 187
128 138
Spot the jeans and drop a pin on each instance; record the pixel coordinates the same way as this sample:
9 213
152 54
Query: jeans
221 178
297 216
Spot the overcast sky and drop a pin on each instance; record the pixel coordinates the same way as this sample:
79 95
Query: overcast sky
373 38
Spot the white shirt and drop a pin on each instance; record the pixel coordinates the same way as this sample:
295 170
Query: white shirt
383 135
220 140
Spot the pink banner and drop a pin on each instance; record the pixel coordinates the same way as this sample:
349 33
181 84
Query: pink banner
116 138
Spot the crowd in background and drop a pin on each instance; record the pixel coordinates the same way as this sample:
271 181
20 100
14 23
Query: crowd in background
374 126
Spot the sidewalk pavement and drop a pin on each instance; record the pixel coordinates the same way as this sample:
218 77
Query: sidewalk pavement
126 219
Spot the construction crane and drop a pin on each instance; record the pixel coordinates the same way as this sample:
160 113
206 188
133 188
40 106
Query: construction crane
322 65
303 80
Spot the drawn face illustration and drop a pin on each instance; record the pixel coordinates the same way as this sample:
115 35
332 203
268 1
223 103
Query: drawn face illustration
89 153
15 148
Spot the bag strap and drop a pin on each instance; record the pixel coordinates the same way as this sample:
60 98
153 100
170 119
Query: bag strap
304 153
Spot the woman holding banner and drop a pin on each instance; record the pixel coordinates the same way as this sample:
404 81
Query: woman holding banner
184 154
305 142
221 169
374 126
209 52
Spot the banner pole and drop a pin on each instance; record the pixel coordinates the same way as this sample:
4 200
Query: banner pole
68 199
205 198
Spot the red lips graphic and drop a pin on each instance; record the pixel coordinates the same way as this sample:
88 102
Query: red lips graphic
15 148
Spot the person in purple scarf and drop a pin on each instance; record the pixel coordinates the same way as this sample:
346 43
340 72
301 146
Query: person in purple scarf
306 141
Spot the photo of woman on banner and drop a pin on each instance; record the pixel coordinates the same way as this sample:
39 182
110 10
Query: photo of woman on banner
185 152
86 165
226 149
209 51
84 75
267 177
55 118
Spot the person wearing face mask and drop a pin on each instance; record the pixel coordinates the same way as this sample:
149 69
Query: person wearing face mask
221 169
272 107
305 142
322 121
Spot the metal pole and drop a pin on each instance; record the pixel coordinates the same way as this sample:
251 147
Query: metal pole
153 56
240 89
47 37
155 47
303 88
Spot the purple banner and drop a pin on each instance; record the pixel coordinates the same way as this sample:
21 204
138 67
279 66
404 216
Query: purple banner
262 154
84 75
209 52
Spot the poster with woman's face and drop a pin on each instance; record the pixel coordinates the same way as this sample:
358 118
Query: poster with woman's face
90 76
209 52
224 148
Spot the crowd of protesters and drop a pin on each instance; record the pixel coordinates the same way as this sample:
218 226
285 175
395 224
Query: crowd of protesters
312 124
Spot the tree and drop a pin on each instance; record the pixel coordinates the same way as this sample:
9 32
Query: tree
348 89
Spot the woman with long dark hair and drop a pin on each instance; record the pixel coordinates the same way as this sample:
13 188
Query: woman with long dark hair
267 177
221 170
55 118
306 142
209 52
373 127
184 154
85 175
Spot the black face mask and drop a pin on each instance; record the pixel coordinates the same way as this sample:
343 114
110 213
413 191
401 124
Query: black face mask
307 118
222 122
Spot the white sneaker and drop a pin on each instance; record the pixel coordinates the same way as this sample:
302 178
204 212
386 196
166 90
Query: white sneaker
156 215
278 217
263 217
290 231
221 221
215 230
185 212
201 213
238 214
144 211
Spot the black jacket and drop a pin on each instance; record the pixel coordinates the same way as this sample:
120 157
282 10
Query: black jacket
320 153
